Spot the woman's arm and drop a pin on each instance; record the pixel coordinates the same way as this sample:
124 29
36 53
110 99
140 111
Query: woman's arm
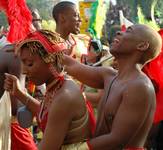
13 86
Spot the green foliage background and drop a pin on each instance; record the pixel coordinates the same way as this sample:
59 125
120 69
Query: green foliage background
151 10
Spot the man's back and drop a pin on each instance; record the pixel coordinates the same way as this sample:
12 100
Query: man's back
8 64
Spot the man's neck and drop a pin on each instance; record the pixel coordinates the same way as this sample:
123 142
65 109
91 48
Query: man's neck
127 67
62 33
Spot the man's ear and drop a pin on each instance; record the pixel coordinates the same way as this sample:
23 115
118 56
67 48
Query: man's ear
143 46
61 18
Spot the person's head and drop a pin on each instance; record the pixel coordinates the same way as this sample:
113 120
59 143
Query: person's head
41 56
138 40
66 16
92 56
36 18
94 53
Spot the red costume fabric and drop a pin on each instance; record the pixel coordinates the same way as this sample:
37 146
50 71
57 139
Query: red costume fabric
154 70
134 149
49 46
21 138
91 116
19 18
80 45
42 121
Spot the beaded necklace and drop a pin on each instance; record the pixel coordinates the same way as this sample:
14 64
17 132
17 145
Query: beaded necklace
51 91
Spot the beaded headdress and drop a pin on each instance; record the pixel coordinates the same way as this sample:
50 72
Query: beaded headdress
49 45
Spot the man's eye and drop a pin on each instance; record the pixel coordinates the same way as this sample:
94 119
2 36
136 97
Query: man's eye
31 64
76 15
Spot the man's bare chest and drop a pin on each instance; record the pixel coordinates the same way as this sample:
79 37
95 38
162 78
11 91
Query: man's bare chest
111 103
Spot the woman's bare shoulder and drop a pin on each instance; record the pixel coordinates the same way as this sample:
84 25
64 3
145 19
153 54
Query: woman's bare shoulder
70 92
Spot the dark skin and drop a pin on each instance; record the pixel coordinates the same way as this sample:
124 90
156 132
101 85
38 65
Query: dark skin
8 63
36 20
11 64
126 114
68 22
93 97
63 104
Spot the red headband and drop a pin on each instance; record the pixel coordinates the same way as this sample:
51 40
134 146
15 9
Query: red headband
49 46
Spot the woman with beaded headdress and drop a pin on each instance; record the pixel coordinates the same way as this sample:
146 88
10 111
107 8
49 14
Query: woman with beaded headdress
41 54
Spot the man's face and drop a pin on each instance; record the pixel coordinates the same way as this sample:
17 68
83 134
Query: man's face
36 20
125 42
34 67
72 20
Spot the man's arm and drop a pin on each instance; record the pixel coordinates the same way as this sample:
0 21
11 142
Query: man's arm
128 120
91 76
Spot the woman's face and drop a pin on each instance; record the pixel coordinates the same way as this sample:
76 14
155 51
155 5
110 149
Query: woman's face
35 68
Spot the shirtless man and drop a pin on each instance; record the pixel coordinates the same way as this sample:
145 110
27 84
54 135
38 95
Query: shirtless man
67 18
127 108
68 21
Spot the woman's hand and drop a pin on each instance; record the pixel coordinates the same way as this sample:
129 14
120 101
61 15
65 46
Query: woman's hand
12 84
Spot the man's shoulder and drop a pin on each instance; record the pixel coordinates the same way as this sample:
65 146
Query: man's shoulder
141 86
139 93
108 72
142 80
